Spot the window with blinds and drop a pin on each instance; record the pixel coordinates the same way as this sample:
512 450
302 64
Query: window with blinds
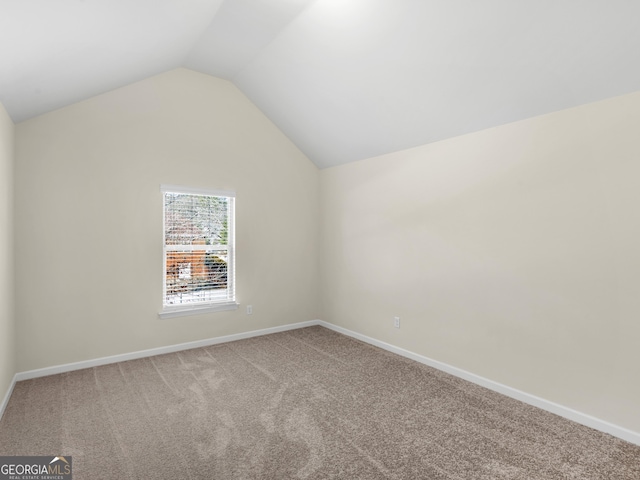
198 249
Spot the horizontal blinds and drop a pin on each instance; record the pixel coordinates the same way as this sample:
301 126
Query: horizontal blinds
198 248
193 248
197 191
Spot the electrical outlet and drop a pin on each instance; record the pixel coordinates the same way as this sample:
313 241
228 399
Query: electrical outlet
249 309
396 322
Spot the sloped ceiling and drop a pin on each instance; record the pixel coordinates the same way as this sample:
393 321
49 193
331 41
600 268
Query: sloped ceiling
344 79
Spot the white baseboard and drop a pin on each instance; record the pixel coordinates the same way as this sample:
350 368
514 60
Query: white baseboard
573 415
5 400
69 367
568 413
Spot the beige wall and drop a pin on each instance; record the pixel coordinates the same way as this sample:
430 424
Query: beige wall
513 253
89 217
7 332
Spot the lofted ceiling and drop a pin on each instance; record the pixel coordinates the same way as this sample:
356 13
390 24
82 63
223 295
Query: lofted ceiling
344 79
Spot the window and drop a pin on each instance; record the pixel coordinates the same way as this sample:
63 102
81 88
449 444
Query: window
198 251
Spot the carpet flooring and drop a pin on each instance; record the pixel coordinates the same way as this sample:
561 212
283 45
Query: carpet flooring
303 404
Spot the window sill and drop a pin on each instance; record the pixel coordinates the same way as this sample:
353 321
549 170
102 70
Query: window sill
185 311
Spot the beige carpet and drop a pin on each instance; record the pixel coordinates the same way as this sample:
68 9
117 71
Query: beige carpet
308 404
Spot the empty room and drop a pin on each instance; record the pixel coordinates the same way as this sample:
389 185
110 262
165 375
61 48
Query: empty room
314 239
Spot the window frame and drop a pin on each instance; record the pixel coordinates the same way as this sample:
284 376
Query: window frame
179 310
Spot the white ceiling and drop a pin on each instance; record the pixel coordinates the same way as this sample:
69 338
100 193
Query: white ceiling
344 79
